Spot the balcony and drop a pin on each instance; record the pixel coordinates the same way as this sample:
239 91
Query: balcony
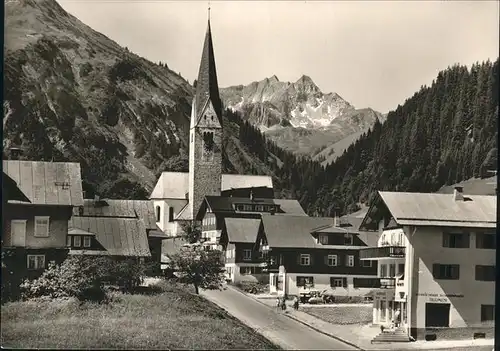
376 253
387 283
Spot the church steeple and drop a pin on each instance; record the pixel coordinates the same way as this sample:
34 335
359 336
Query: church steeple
207 87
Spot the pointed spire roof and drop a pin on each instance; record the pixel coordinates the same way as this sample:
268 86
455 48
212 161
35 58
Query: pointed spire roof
207 86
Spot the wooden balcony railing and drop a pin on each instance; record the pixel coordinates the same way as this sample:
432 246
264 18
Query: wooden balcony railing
372 253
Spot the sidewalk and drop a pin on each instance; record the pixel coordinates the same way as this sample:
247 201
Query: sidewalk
360 336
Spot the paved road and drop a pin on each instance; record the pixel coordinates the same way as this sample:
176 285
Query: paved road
289 334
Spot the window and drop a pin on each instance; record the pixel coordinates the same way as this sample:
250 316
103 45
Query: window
86 241
77 241
383 270
366 263
446 271
18 232
401 268
42 227
323 239
305 281
239 207
366 283
338 282
456 240
485 241
331 260
305 259
485 273
392 270
272 260
348 239
259 208
487 313
36 261
158 212
245 270
68 240
349 261
170 214
247 207
247 254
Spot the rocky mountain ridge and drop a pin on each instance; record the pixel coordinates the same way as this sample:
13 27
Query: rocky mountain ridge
298 116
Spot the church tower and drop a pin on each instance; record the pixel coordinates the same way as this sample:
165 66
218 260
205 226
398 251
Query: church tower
205 132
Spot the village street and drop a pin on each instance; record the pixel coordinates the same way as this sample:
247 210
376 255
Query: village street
286 332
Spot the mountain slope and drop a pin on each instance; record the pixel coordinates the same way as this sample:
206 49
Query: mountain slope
298 116
72 94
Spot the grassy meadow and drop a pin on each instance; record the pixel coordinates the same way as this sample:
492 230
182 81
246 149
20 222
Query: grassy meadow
169 318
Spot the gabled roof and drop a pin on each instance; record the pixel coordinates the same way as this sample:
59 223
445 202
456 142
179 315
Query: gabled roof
142 209
242 230
175 185
292 231
118 236
226 205
428 209
10 190
47 183
207 86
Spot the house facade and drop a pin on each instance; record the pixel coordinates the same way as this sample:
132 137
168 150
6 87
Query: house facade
439 252
37 230
231 224
314 252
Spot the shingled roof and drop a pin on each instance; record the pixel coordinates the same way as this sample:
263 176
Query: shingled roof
175 185
118 236
47 183
207 86
142 209
242 230
428 209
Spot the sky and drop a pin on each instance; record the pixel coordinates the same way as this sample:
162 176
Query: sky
372 53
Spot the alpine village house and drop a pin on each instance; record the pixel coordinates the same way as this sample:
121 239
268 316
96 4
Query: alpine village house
436 255
35 222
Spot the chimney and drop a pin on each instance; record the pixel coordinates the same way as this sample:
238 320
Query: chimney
335 218
15 153
458 193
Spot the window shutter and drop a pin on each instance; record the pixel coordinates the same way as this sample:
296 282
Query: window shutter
344 282
466 243
455 271
298 259
311 259
435 270
326 259
446 240
331 282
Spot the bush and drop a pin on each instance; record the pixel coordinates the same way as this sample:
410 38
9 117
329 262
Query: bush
84 277
77 276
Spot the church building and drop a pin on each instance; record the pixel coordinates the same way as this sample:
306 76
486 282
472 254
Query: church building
178 196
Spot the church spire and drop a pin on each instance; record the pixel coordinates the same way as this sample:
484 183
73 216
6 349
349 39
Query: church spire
207 86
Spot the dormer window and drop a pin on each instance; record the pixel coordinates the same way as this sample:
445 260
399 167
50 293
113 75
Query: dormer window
348 239
323 239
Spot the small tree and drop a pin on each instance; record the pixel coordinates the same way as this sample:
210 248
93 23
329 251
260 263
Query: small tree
191 231
201 268
194 265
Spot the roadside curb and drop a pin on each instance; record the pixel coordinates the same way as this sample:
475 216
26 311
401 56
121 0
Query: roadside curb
302 322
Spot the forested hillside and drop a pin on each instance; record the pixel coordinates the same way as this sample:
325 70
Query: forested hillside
442 135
